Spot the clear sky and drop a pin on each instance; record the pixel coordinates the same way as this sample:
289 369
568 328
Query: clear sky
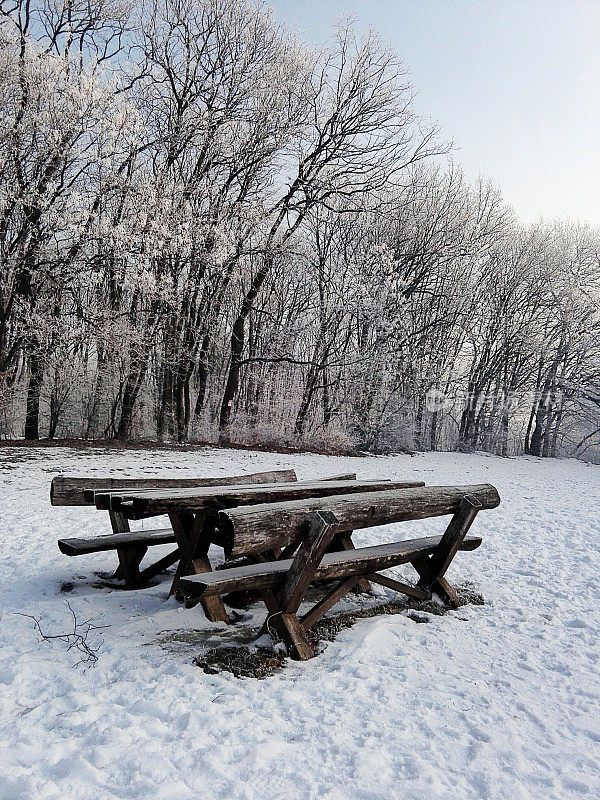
515 84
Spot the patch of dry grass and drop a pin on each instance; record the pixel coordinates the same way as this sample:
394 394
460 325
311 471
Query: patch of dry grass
261 662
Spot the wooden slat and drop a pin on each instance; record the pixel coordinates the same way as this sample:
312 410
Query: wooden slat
257 528
110 541
361 561
69 491
140 504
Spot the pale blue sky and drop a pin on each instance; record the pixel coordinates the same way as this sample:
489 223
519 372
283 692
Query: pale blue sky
516 84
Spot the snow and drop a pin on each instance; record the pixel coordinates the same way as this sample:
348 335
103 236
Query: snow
494 701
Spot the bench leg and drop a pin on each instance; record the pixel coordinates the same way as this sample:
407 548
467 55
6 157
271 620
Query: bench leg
432 568
283 606
129 564
214 607
119 524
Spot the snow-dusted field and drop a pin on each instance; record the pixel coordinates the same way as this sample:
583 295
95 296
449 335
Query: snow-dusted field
499 701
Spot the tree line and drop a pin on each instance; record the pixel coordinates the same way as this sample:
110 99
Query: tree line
210 231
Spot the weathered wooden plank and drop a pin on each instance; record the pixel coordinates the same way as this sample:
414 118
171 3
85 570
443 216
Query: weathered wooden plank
183 495
96 544
306 562
71 491
362 561
185 491
257 528
155 502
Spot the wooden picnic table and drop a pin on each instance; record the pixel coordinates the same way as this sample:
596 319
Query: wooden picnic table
193 516
310 524
141 504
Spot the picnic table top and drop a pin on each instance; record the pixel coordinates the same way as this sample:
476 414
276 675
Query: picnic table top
140 503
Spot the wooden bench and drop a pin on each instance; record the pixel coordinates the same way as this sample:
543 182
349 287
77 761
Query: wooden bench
131 546
310 524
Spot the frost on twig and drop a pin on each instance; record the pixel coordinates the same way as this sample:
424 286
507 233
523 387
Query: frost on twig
77 638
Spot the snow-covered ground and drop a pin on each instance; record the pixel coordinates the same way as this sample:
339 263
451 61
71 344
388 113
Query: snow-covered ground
499 701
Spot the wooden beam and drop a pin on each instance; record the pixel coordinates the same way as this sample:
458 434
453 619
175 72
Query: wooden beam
69 491
257 528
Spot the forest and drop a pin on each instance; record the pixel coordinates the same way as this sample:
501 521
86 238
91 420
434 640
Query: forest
212 232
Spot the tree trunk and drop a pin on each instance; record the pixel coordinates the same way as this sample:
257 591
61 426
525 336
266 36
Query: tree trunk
203 374
238 337
54 415
134 382
36 377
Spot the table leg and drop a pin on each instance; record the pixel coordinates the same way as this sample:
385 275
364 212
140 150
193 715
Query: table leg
193 535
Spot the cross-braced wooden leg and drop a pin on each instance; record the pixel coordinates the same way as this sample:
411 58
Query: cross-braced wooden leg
119 524
130 557
186 528
283 606
432 568
129 564
193 535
